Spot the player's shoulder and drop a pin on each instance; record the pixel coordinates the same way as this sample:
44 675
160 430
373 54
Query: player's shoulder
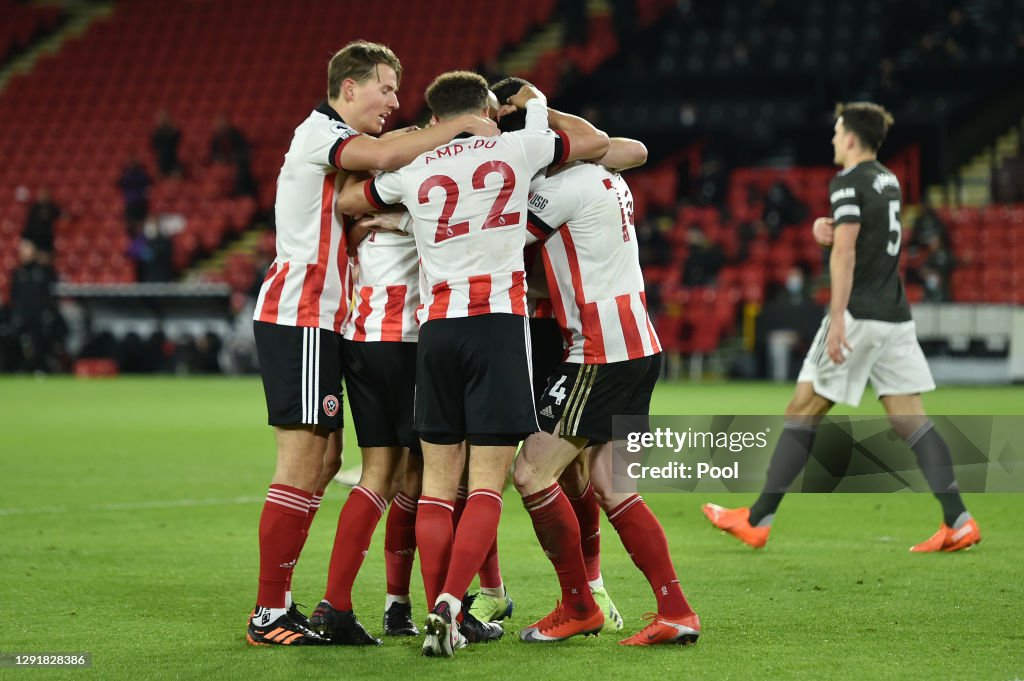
527 136
864 176
574 177
326 122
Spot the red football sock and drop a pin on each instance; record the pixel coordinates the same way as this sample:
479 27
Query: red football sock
356 523
644 539
459 506
434 534
490 571
588 515
559 535
473 539
284 516
314 506
400 544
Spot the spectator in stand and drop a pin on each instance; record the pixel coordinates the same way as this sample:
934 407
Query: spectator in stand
151 250
1008 179
165 143
653 248
927 225
781 209
936 270
39 226
134 184
786 327
229 145
704 260
35 320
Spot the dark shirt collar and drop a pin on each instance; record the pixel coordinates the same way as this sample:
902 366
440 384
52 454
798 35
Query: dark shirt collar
329 111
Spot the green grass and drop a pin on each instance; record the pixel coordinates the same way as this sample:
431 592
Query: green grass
128 517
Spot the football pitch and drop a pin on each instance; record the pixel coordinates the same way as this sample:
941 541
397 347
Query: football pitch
128 518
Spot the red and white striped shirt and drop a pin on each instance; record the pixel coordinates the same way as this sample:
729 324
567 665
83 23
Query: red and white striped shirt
592 266
467 199
386 283
308 282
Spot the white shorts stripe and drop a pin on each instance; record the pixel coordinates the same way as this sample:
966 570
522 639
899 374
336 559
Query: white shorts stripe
529 364
305 388
315 397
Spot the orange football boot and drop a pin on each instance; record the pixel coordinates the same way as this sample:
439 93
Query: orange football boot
558 626
948 539
682 631
736 521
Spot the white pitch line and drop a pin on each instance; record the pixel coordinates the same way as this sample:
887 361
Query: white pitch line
134 506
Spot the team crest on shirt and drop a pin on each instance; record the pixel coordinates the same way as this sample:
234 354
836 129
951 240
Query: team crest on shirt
331 404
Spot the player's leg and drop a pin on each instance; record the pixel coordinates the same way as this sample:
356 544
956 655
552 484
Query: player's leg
435 531
492 602
300 454
536 473
443 463
489 459
369 374
400 547
497 408
301 369
900 374
332 464
821 384
638 528
644 539
575 482
334 617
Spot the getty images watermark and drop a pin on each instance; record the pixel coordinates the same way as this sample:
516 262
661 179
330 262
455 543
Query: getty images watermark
850 454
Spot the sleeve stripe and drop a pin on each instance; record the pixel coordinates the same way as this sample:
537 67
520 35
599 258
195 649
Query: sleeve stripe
372 196
561 148
334 157
539 228
844 211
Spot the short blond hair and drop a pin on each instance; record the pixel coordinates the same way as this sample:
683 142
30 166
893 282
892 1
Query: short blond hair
358 60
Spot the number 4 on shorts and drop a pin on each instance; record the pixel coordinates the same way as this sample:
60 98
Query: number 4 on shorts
557 391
